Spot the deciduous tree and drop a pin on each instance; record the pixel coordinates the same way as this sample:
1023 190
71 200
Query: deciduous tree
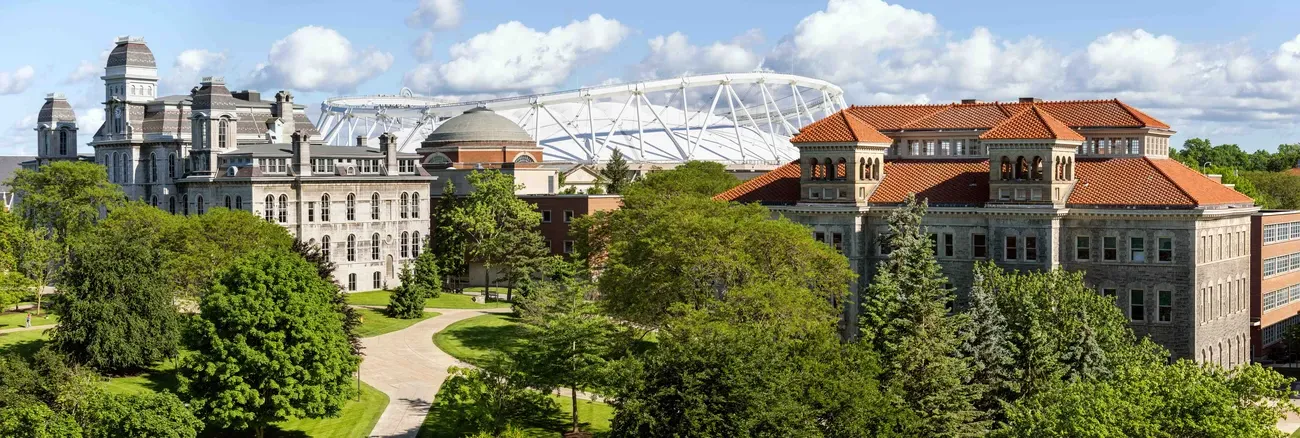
498 228
65 196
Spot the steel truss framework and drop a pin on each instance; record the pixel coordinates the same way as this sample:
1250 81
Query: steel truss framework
734 118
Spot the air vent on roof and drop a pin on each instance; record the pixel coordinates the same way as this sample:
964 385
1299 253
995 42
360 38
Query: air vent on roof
1030 100
969 101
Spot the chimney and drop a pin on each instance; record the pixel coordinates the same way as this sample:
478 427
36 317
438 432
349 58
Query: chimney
969 101
301 154
361 141
388 146
1030 100
1215 177
283 107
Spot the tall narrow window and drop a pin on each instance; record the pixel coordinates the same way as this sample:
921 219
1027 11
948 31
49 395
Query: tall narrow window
837 242
1031 248
948 245
198 204
1137 249
221 132
979 246
374 246
352 207
352 282
284 209
1082 248
171 166
325 247
352 248
153 200
229 204
185 204
405 204
1110 248
311 211
1165 249
406 240
269 208
934 244
374 206
63 142
171 204
377 284
1012 253
415 244
239 202
415 205
325 207
1137 308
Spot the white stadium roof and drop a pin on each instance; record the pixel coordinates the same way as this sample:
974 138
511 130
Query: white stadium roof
734 118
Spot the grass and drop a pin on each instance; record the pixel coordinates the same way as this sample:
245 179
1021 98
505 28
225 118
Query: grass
25 343
594 417
473 340
443 301
375 322
10 320
356 419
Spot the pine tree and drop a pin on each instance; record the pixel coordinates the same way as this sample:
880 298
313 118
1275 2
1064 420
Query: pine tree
986 346
425 274
907 321
615 173
407 301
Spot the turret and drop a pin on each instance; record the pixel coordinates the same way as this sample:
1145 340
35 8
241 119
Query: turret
56 130
841 160
1031 159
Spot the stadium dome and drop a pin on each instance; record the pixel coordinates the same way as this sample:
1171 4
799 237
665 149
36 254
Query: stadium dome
478 125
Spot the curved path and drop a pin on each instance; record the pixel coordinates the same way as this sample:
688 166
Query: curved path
407 366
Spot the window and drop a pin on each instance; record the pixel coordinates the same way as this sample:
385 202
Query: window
221 132
1137 249
63 142
546 216
948 242
171 204
239 202
284 209
1111 293
352 282
882 244
415 243
1004 194
406 240
1011 253
270 208
979 246
415 205
228 203
1110 248
568 216
374 206
311 211
374 246
934 244
837 242
1031 248
1165 249
1137 305
153 201
325 207
1082 248
568 247
352 248
352 207
405 203
1165 301
325 247
171 166
376 282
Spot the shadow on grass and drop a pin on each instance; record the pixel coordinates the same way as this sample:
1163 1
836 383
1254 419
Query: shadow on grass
545 424
496 338
24 349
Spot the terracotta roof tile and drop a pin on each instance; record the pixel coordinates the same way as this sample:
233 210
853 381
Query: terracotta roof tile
1201 188
893 117
1074 113
779 186
840 127
939 181
1138 182
1032 123
961 116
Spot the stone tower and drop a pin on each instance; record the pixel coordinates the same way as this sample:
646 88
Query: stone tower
835 171
56 130
1031 159
130 77
213 124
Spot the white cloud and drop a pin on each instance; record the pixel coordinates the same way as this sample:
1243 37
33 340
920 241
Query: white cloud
315 58
423 47
843 41
190 67
436 14
673 55
514 57
19 139
17 81
85 71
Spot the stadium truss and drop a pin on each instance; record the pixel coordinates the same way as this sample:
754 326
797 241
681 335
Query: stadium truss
733 118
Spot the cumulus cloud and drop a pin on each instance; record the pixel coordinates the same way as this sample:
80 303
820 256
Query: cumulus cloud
436 14
423 47
315 58
19 139
673 55
515 57
85 71
16 81
190 66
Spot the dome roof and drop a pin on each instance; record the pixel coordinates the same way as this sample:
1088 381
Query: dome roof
55 110
479 124
131 52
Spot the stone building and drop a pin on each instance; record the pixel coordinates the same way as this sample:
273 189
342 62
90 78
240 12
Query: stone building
1034 185
366 207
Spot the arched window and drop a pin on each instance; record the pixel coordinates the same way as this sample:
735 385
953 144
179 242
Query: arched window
198 204
405 204
239 202
221 132
841 169
415 205
171 166
1036 173
1022 168
406 239
325 247
524 158
862 169
153 200
352 248
228 203
284 209
374 206
325 207
185 204
374 246
352 282
415 244
171 204
63 142
153 167
269 208
828 169
1005 169
352 207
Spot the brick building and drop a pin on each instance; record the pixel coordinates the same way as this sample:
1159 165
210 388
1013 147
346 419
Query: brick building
1275 276
1079 185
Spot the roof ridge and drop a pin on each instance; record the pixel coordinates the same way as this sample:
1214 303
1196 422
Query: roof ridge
1047 118
1004 121
1162 172
1138 115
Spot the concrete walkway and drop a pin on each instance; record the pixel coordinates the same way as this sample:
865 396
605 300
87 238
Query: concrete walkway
407 366
26 329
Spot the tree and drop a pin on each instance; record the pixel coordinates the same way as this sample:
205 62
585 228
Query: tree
209 242
569 342
491 400
325 269
41 258
407 301
693 178
29 419
497 227
13 288
270 345
11 233
117 308
450 252
615 173
987 347
65 196
693 250
905 318
149 414
1278 189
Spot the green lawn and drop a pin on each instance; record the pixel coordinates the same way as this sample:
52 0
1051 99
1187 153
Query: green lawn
10 320
375 323
26 343
594 416
444 300
473 340
357 419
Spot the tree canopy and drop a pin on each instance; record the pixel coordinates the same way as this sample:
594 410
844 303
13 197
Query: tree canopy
615 174
693 178
65 196
497 227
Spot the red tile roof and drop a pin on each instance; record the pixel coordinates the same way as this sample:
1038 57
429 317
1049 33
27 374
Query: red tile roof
1032 123
1075 114
893 117
1102 182
960 116
840 127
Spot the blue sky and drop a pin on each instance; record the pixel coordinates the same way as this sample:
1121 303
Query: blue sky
1226 70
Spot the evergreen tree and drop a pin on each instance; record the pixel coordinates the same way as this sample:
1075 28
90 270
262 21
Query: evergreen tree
407 301
908 323
425 274
986 346
615 173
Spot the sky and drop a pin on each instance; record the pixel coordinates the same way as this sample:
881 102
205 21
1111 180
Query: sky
1226 70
